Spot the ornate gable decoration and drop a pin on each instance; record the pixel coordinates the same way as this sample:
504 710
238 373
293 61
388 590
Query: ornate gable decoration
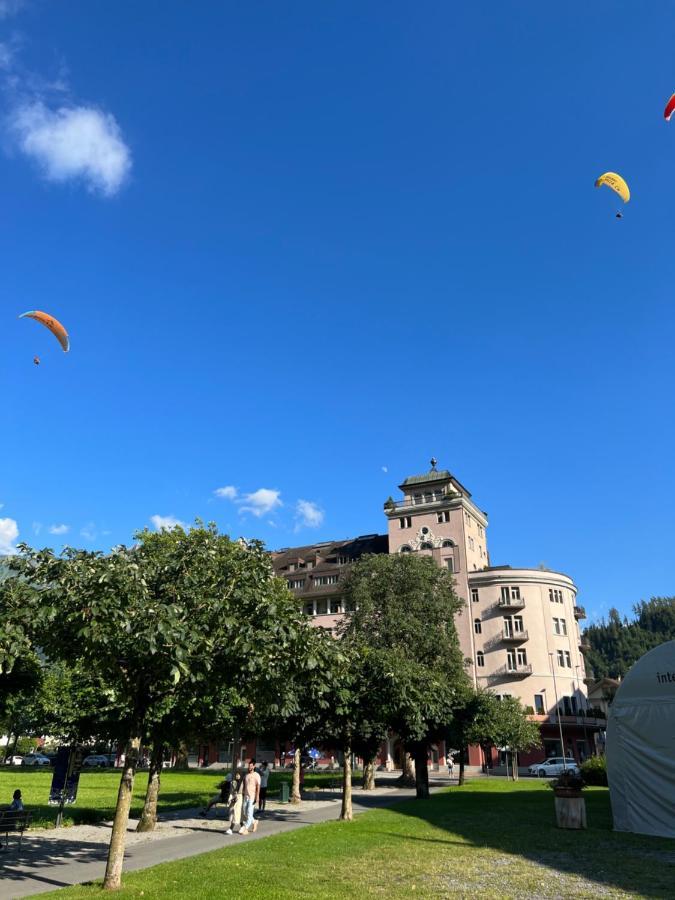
423 537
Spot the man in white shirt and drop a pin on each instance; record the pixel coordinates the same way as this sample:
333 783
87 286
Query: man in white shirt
251 797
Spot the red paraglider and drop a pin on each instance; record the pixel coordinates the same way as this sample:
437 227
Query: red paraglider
670 108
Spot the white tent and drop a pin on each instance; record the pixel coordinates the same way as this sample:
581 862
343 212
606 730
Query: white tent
641 746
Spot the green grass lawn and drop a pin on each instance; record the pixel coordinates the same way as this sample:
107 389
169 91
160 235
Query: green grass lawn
97 793
487 839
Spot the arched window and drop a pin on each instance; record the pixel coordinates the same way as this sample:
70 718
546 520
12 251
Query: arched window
477 627
448 544
480 659
426 546
405 549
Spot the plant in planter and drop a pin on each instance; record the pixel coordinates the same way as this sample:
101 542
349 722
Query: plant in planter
568 784
570 806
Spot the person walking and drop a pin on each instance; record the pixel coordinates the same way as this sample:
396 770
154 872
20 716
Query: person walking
251 798
235 803
222 797
264 778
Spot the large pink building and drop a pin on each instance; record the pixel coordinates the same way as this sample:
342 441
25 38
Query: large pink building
518 630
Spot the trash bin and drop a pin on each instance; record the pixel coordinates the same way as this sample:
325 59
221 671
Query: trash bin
284 792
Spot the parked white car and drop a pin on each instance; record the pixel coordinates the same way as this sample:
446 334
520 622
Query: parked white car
15 760
553 766
35 759
95 761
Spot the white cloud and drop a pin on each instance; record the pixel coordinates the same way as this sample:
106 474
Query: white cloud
89 531
261 502
229 492
385 469
58 529
73 142
37 527
308 514
9 532
166 523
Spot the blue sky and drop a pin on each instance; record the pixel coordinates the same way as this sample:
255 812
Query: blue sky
297 244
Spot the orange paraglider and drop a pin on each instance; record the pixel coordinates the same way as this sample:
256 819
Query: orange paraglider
52 324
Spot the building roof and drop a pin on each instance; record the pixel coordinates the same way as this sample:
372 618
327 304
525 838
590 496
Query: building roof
432 475
352 548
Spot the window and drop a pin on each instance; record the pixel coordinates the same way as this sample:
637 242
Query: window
342 560
568 659
502 696
335 605
561 657
477 627
321 580
563 626
426 546
474 595
443 516
405 522
296 584
321 607
521 657
308 608
539 707
508 626
511 660
417 499
450 564
448 543
405 549
480 530
471 543
556 626
555 596
518 624
480 659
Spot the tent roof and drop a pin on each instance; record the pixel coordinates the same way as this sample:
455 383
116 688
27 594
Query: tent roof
651 679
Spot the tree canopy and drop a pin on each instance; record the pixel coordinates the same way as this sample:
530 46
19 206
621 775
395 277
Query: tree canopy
616 643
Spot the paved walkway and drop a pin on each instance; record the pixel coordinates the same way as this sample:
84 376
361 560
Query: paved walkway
51 859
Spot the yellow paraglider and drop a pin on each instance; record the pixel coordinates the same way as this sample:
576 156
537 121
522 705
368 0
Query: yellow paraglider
616 183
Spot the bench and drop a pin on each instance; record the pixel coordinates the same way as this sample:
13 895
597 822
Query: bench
13 820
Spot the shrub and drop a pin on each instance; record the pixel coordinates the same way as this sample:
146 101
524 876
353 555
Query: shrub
594 771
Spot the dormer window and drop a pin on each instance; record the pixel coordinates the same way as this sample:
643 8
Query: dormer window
448 544
426 546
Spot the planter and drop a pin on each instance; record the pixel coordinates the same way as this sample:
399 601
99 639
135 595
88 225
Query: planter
570 808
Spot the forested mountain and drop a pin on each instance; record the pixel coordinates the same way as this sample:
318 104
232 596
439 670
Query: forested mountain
617 643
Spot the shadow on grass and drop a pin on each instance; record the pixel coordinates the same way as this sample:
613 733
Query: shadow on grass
521 823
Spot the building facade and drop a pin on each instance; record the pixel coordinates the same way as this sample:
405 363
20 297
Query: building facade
518 630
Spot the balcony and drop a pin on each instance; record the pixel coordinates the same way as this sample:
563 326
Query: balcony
509 636
424 500
511 602
520 670
579 612
584 646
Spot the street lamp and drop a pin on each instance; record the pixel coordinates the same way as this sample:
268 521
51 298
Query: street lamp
557 706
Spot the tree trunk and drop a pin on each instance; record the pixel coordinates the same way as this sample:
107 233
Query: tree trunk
369 775
181 756
236 749
296 796
514 765
148 818
113 870
421 772
5 753
407 779
346 812
462 757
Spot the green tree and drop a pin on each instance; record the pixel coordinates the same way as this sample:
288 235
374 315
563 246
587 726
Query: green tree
404 619
146 618
513 729
618 642
473 722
